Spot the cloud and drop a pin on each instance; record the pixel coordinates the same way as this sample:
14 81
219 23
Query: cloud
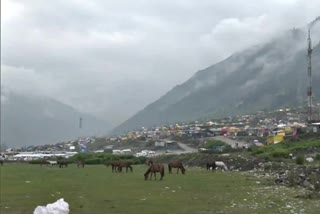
112 58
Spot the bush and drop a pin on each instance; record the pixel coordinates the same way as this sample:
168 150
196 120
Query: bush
257 151
300 160
139 160
93 161
38 161
267 158
280 153
318 157
212 143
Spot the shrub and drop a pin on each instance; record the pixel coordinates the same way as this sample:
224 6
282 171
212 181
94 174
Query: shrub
280 153
300 160
212 143
318 157
267 158
258 151
38 161
292 179
93 161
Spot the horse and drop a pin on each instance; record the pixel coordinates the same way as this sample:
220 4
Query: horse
114 166
117 166
52 163
177 165
62 163
149 162
2 157
124 164
153 170
43 162
221 165
80 163
217 164
211 165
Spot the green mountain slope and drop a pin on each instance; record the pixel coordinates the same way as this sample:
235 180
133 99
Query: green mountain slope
262 77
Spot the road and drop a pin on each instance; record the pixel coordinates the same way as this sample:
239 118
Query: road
229 141
187 149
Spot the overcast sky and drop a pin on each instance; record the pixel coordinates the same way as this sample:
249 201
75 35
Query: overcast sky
112 58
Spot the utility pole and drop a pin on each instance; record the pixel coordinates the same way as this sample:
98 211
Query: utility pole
80 123
309 93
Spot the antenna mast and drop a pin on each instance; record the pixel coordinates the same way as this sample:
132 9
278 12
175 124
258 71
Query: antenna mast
310 78
80 123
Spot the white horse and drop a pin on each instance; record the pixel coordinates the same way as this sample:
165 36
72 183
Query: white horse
221 165
52 163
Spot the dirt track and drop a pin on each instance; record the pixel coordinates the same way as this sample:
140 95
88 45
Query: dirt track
230 141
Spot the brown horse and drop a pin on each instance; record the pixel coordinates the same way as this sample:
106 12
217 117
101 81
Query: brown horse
149 162
114 166
153 170
43 162
118 165
80 163
126 165
177 165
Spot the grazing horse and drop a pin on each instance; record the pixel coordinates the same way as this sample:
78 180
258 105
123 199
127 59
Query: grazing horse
221 165
114 166
124 164
211 165
43 162
52 163
149 162
217 164
177 165
117 166
153 170
62 163
80 163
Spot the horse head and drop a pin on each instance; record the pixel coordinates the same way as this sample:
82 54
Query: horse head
146 176
183 170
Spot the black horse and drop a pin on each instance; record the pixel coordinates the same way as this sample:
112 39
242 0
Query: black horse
211 165
2 159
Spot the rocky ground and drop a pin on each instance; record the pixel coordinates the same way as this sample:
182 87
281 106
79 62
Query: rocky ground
282 173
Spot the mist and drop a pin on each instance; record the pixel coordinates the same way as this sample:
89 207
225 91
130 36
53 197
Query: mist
111 59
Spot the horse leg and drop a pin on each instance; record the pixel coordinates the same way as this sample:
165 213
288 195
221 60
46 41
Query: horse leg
178 170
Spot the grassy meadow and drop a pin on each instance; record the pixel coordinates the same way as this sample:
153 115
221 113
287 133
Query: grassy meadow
95 189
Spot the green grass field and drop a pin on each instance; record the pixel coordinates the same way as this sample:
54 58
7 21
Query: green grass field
94 189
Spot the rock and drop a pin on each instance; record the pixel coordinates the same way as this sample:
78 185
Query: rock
309 159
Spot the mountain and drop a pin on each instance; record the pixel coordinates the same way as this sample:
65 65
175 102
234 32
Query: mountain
33 120
261 77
